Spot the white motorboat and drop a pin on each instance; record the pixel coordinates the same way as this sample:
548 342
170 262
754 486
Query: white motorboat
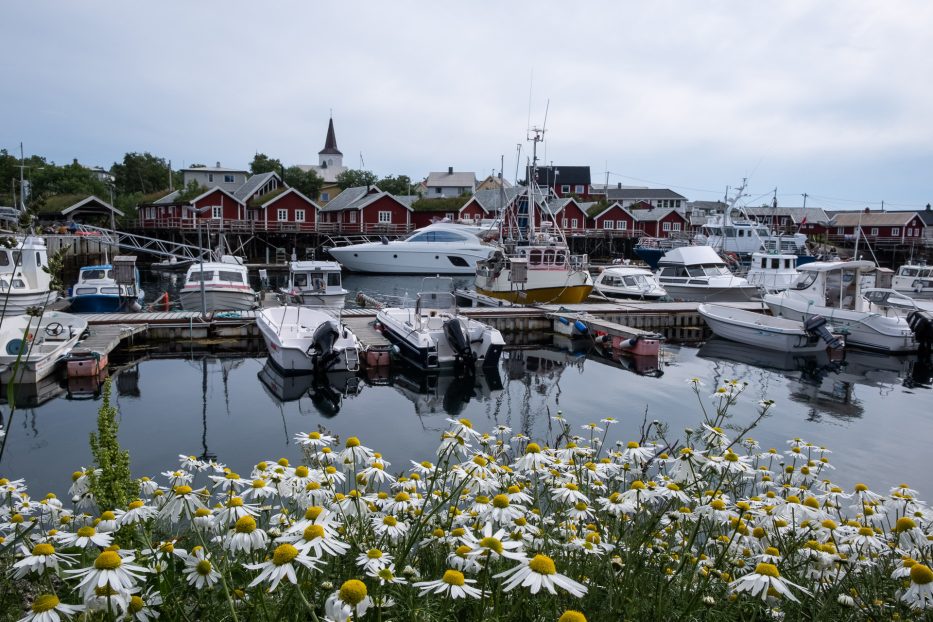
31 347
24 277
441 248
772 272
891 301
315 284
698 273
915 280
769 332
302 340
434 335
832 289
628 282
221 285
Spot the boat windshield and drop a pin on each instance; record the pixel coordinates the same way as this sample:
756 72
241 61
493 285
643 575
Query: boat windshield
435 236
230 276
805 280
197 277
333 279
96 273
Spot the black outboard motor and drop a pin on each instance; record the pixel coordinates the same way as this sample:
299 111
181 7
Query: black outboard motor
460 342
921 324
816 325
324 355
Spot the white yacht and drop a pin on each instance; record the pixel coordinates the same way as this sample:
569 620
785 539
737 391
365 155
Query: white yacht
628 282
915 280
698 273
434 335
31 347
315 284
221 285
772 272
441 248
301 340
832 289
24 277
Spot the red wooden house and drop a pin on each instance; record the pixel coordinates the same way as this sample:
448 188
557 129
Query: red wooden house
366 210
661 223
889 227
569 215
613 218
486 204
564 181
214 205
284 209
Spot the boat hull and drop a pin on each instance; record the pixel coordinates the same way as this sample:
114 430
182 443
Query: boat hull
218 300
688 293
17 303
100 304
389 259
43 349
288 333
573 294
745 327
424 344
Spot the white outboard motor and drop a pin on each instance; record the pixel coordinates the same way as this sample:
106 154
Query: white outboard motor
816 326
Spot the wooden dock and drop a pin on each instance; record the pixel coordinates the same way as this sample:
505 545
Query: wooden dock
104 339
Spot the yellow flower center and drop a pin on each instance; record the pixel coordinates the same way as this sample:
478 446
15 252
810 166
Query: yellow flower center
313 531
718 504
136 604
542 564
108 560
86 532
493 544
182 490
861 488
391 521
533 448
352 442
772 551
638 485
301 471
402 496
374 554
283 462
580 506
315 436
768 570
313 512
453 577
812 502
202 513
283 554
203 568
500 501
386 574
108 515
353 592
259 483
481 461
829 524
865 531
572 616
921 574
45 602
482 499
43 549
235 502
904 524
167 547
135 505
245 524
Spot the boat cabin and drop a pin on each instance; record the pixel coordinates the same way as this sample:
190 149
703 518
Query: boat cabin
26 266
314 277
837 283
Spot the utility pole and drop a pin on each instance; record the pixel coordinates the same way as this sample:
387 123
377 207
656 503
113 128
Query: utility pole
804 195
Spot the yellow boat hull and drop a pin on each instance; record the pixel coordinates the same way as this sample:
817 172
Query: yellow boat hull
573 294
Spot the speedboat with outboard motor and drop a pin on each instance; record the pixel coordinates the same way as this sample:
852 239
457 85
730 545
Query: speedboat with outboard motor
303 340
698 273
434 335
769 332
628 282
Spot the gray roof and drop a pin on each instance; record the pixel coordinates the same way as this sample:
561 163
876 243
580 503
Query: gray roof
254 183
407 199
652 215
707 206
346 198
796 214
555 205
491 200
168 199
873 219
633 194
451 180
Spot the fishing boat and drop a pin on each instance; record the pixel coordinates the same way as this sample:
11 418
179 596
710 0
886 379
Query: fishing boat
772 271
314 284
98 292
833 289
31 348
440 248
302 340
25 281
698 273
628 282
914 280
218 286
434 335
769 332
533 263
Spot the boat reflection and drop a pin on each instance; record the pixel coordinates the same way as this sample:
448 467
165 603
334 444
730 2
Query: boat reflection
32 395
437 393
325 392
620 359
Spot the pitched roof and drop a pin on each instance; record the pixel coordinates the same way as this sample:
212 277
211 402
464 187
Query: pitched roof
265 200
654 215
330 143
346 198
633 194
796 214
211 191
926 216
254 183
873 219
494 199
214 169
92 204
561 175
446 179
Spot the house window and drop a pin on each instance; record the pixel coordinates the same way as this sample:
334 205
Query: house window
217 212
438 191
385 217
281 215
210 177
874 231
608 224
563 223
580 189
666 226
783 220
676 202
325 196
573 223
840 230
895 230
449 216
299 215
228 179
352 217
621 225
676 226
565 189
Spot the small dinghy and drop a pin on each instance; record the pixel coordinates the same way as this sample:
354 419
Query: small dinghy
303 340
31 348
769 332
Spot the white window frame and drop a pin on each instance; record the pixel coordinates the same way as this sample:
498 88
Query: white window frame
563 223
281 214
840 230
565 189
352 217
573 223
217 212
665 226
385 217
210 178
895 231
622 225
609 224
299 215
676 226
874 231
229 179
579 189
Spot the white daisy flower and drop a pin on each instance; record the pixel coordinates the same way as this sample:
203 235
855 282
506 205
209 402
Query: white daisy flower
494 545
42 557
386 575
318 538
84 537
355 453
765 577
539 572
315 440
281 566
109 569
245 536
136 512
464 429
390 526
142 608
533 460
452 584
920 593
183 500
351 600
48 608
199 571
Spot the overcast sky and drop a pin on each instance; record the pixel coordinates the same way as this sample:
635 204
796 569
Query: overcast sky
833 99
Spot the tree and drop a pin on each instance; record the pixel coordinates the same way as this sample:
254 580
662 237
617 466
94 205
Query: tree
307 183
264 164
49 179
400 185
352 177
141 172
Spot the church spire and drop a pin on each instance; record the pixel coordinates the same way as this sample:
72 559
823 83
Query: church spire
330 144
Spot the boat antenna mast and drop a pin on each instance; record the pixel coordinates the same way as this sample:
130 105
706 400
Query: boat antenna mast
535 135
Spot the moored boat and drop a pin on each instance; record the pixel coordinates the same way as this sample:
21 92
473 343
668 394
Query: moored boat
914 280
303 340
24 277
98 292
628 282
698 273
772 272
769 332
220 285
31 348
315 284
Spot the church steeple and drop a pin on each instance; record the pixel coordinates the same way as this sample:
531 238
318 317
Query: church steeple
330 144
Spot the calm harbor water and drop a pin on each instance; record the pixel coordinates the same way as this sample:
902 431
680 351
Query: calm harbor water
874 413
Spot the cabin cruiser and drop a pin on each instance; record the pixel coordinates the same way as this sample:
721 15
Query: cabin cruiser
221 285
98 292
302 340
434 335
772 272
832 289
441 248
915 280
315 284
628 282
697 273
650 249
24 278
32 347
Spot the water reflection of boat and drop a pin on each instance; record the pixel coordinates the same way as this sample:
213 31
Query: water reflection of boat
643 365
718 348
326 391
544 361
435 393
33 394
